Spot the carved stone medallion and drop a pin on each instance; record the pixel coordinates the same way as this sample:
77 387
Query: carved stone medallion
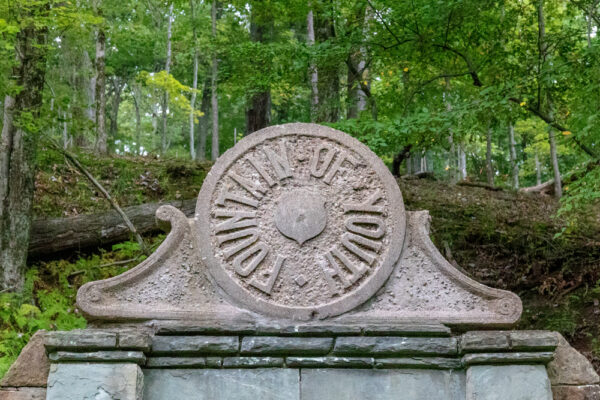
300 221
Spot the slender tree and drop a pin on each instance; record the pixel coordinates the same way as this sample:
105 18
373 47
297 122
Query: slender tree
100 92
214 100
194 82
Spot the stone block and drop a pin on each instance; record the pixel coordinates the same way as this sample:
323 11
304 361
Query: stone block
406 330
384 345
77 381
532 340
23 393
507 358
222 384
570 367
252 362
480 341
176 362
508 382
419 362
136 357
88 339
353 384
286 345
586 392
31 367
134 340
329 362
195 344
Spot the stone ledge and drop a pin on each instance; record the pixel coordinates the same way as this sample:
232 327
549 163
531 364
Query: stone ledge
418 363
136 357
329 362
252 362
499 341
176 362
507 358
81 340
195 344
373 345
286 346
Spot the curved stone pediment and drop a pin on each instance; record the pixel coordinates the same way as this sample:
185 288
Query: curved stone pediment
298 222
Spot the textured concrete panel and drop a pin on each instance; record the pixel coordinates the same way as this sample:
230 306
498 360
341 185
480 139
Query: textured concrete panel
222 384
352 384
508 382
79 381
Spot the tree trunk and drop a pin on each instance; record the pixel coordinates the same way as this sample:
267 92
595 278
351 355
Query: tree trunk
452 164
329 80
357 75
101 134
399 158
462 161
214 100
555 168
489 170
165 105
203 121
18 148
314 74
137 97
51 236
114 123
258 113
194 84
513 156
538 170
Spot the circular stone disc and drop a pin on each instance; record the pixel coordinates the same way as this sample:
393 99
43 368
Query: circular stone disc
300 221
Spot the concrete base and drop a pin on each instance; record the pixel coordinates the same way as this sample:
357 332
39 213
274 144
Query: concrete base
508 382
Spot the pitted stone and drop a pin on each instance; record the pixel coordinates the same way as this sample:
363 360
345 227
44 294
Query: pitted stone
305 201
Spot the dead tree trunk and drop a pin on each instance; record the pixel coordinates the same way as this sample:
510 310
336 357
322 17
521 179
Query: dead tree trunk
18 148
87 231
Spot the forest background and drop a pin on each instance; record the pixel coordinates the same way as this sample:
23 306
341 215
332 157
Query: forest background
489 93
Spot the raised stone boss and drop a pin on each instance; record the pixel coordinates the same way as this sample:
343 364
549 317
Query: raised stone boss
301 276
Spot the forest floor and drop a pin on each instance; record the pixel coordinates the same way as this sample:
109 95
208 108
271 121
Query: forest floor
503 239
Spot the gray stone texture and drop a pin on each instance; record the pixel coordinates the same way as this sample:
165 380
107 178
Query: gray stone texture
286 345
252 362
329 362
386 345
419 362
195 344
177 362
498 341
134 340
82 381
570 367
532 340
136 357
88 339
508 382
31 367
23 393
586 392
222 384
508 358
354 384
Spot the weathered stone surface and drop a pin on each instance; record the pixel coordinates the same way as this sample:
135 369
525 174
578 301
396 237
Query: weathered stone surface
387 345
474 341
562 392
286 345
570 367
302 223
214 362
136 357
252 362
177 362
222 384
31 367
532 340
508 358
329 362
23 393
419 362
195 344
134 340
79 381
406 330
352 384
88 339
508 382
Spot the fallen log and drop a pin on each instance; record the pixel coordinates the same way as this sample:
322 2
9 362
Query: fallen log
479 185
50 236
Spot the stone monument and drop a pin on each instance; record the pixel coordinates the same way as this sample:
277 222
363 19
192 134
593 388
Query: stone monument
301 276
